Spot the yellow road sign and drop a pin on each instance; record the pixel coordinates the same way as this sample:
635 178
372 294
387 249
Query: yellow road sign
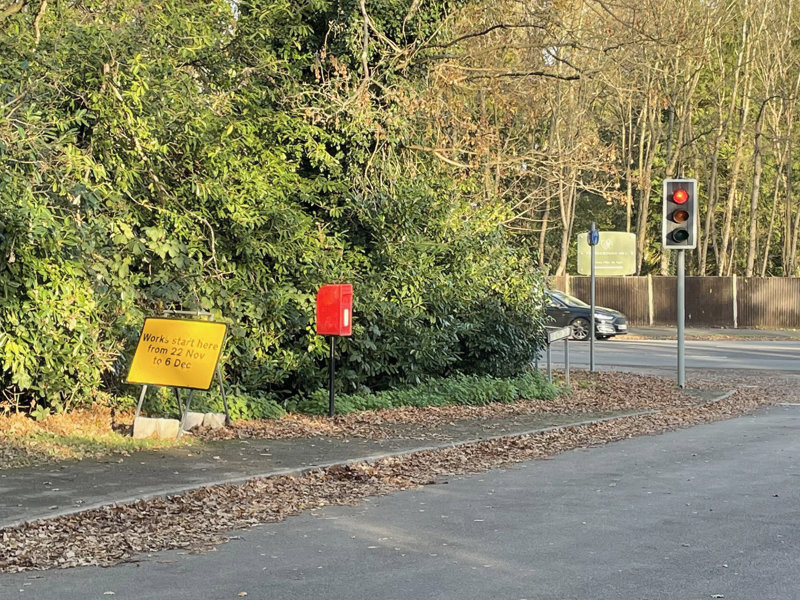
177 353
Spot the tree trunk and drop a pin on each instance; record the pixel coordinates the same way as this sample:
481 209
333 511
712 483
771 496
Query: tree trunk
543 231
713 195
567 201
648 140
755 192
770 229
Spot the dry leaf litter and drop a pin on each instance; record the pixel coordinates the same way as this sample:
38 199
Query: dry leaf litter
198 520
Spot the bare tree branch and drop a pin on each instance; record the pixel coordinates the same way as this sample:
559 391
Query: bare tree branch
486 31
519 74
39 15
12 9
438 153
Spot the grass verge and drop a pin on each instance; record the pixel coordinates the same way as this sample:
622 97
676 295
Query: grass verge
73 435
100 431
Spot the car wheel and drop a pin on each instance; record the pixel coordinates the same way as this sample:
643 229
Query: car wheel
580 329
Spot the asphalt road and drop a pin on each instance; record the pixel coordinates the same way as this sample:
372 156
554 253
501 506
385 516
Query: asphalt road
707 512
661 355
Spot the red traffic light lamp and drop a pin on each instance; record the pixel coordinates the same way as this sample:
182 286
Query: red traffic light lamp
680 196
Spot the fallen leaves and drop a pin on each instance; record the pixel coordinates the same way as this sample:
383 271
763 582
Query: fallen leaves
198 520
73 434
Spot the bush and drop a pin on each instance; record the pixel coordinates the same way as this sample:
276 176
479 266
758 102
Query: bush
163 402
213 173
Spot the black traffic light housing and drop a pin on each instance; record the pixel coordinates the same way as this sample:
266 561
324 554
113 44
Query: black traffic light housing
679 225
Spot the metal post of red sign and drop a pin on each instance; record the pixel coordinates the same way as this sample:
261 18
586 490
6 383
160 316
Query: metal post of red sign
332 378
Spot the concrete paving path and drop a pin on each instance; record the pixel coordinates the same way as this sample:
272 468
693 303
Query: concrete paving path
28 494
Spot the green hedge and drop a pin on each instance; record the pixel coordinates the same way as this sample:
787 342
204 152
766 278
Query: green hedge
163 402
179 157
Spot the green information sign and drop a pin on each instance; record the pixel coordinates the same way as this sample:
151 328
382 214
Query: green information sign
614 254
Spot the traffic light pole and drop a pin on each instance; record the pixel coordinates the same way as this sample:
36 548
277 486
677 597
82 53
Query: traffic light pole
593 235
680 302
679 232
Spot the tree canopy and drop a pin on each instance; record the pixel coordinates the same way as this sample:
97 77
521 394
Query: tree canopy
577 110
232 156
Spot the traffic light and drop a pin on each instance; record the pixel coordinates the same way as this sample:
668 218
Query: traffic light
679 225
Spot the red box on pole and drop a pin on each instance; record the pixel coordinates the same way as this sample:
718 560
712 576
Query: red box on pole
335 309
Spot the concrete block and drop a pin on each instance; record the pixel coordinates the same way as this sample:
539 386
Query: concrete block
167 429
160 429
214 420
144 427
192 420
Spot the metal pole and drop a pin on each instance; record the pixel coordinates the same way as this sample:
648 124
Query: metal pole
185 411
566 361
224 398
549 370
591 320
681 317
139 406
332 377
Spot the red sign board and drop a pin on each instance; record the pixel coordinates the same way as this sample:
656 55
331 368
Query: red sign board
335 309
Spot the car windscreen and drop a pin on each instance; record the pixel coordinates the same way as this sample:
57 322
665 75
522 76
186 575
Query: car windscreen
568 300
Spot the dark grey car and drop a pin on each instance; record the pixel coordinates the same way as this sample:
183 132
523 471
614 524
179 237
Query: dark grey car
563 309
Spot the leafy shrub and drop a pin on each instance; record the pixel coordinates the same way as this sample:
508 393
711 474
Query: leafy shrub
245 406
465 390
533 384
163 402
216 172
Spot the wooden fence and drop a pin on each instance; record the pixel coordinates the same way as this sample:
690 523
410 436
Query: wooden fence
746 302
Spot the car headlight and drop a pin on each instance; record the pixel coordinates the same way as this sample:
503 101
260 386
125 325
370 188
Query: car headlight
604 318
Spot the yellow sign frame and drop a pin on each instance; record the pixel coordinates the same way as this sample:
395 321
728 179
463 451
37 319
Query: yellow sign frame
175 352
